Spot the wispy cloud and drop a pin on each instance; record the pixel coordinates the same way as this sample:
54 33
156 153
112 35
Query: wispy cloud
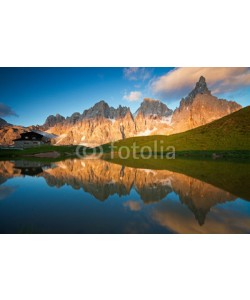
6 111
133 205
133 96
136 73
5 191
219 80
177 218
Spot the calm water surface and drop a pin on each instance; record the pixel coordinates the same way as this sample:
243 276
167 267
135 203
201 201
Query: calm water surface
96 196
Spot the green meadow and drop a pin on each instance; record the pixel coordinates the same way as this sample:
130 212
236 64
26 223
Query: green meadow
227 135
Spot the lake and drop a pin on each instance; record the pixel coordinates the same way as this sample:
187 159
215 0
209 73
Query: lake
100 196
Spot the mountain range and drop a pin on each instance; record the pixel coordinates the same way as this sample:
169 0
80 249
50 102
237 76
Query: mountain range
103 123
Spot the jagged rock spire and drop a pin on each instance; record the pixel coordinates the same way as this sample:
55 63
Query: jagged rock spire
153 107
53 120
200 88
102 109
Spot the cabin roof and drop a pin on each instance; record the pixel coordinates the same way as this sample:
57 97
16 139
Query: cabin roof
39 133
45 134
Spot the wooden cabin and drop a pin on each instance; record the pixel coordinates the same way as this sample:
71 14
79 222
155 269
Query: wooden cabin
33 139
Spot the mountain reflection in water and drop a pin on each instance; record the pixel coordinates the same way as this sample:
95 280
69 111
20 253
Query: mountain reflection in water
130 200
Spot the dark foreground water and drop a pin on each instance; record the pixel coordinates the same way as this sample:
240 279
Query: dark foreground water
96 196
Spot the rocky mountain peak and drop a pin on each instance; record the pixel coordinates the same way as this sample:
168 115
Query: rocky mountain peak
150 100
121 112
200 88
201 107
101 105
52 120
102 123
100 109
75 117
153 107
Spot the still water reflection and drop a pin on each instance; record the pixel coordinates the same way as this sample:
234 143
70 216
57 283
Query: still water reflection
96 196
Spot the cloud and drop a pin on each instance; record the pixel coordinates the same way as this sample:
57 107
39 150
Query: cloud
5 191
133 96
136 73
6 111
133 205
180 81
177 218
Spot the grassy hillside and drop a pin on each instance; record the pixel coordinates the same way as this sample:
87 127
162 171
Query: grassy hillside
63 152
228 133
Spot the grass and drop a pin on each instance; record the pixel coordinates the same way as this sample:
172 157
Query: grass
229 137
64 151
229 134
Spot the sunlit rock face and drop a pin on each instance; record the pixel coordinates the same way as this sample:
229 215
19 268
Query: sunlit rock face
8 133
53 120
93 132
151 107
153 117
200 107
102 123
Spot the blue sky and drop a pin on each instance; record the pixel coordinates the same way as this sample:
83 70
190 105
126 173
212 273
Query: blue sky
29 95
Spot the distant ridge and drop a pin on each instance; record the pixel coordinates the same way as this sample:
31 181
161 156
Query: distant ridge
231 132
